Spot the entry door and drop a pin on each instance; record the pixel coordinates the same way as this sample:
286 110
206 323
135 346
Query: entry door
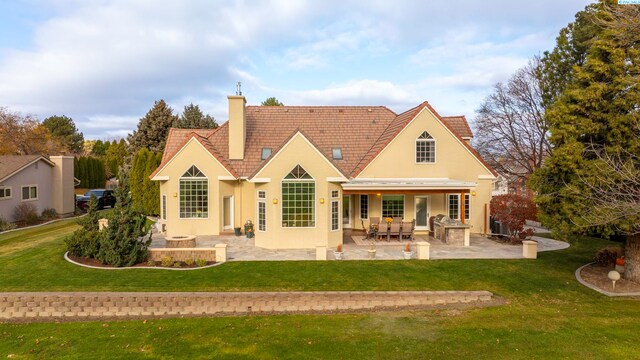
422 212
347 210
227 212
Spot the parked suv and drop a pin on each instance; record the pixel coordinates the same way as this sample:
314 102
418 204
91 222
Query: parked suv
105 198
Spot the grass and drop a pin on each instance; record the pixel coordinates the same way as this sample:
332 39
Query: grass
547 314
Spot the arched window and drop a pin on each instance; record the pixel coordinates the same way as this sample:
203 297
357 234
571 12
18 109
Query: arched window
425 148
298 199
194 194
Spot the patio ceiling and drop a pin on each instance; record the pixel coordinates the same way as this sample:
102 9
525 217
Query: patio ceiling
422 186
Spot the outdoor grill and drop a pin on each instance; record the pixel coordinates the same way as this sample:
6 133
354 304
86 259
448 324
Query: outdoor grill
450 231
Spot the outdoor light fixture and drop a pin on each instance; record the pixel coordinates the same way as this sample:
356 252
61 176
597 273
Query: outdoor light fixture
473 193
378 194
321 200
275 201
175 194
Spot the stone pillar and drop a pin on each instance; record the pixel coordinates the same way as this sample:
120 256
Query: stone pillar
321 252
103 223
423 250
221 252
530 249
467 236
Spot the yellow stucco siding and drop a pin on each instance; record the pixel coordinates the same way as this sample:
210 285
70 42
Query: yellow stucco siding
193 154
297 152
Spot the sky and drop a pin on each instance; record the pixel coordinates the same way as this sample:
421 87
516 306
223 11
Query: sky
105 62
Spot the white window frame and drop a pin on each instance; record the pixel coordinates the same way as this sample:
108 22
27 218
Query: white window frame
337 215
163 203
335 194
3 190
404 204
262 194
206 181
264 203
30 186
315 210
360 206
466 196
418 140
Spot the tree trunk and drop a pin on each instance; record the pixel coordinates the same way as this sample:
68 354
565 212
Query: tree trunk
632 258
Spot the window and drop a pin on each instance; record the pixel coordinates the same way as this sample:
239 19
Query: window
335 194
364 206
164 207
266 152
454 206
262 194
335 216
467 206
262 216
392 206
30 192
5 193
336 153
194 194
425 148
298 199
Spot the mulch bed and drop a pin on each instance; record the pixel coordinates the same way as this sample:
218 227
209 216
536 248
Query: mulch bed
96 263
597 275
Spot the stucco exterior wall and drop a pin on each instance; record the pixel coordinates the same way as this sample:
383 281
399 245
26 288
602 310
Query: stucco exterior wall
40 174
319 168
193 153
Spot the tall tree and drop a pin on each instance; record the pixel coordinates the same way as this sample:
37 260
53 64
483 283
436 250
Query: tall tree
598 109
115 155
100 148
152 188
193 118
136 178
24 135
511 129
153 128
272 101
64 130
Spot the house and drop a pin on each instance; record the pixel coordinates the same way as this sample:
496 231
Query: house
303 174
44 182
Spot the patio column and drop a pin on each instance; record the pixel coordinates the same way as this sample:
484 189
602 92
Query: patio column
462 207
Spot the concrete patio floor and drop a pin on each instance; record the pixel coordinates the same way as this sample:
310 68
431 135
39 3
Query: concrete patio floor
242 249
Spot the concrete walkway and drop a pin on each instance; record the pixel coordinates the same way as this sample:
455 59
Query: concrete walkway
242 249
43 306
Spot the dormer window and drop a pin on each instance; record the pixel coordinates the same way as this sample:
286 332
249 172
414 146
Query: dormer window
336 153
266 152
425 148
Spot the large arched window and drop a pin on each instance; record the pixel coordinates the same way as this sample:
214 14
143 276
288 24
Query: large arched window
425 148
194 194
298 199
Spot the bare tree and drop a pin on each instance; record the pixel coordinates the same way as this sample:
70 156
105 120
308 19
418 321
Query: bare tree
511 130
611 194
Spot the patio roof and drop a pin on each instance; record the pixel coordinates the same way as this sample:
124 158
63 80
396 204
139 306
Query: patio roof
414 184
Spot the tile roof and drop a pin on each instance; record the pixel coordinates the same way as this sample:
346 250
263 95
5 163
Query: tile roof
360 131
9 164
459 125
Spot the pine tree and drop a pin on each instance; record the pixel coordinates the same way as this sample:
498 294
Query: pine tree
64 130
137 178
153 128
193 118
151 188
123 243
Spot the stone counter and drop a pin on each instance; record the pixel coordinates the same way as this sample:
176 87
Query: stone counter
452 234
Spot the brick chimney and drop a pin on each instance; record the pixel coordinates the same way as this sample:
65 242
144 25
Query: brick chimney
237 126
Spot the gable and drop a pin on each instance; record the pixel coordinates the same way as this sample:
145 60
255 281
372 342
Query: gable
298 151
454 158
192 153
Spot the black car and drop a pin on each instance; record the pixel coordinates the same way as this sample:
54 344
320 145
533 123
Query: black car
105 198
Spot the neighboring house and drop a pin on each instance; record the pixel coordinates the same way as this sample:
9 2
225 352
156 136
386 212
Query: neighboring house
302 174
500 186
511 185
44 182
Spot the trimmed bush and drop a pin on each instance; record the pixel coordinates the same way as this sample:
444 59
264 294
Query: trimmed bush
201 262
188 262
83 243
49 214
26 213
167 261
6 225
607 256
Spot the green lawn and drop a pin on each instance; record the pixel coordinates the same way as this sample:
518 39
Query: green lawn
547 314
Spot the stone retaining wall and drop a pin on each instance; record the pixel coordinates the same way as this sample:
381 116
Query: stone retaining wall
208 254
21 306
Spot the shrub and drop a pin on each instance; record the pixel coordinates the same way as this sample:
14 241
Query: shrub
49 214
5 225
83 243
188 262
177 264
607 256
151 262
166 261
26 213
513 211
201 262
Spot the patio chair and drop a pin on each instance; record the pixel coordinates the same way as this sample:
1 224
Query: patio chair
394 230
397 219
370 233
374 220
383 230
408 229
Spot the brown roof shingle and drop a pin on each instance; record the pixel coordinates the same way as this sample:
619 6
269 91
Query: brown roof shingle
459 125
360 131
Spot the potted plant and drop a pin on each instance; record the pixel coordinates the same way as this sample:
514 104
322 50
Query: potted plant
372 252
407 251
338 253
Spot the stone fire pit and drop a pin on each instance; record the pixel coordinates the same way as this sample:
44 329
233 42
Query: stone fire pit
181 241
